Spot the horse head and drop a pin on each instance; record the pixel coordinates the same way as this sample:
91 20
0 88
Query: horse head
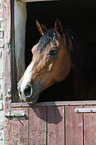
50 63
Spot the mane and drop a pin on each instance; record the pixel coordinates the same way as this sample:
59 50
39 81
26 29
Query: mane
81 57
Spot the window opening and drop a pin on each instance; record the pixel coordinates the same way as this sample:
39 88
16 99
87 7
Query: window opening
74 16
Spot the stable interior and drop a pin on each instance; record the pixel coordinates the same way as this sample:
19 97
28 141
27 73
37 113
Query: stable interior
78 16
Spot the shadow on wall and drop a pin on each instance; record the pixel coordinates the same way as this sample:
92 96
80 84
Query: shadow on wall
48 114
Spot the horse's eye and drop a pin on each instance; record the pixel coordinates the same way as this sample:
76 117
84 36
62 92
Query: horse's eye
53 52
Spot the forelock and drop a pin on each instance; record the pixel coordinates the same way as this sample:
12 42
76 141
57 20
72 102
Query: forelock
49 36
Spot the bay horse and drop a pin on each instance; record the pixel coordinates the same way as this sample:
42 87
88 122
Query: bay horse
57 52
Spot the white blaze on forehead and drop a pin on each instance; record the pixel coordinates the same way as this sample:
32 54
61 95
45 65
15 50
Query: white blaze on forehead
27 77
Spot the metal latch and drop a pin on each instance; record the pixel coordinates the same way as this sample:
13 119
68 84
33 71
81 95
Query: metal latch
85 110
14 114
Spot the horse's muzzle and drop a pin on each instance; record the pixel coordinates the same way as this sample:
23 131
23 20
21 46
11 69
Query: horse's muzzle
27 95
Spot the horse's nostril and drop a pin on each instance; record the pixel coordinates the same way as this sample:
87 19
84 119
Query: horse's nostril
28 91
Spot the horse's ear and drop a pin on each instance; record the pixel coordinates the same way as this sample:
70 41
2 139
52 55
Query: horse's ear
42 29
58 27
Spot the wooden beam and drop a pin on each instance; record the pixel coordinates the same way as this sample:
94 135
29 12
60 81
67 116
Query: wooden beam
57 103
36 0
20 15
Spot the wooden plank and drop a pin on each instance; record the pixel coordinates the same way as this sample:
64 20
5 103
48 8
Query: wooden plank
36 0
7 131
57 103
20 15
6 26
90 128
19 130
37 126
74 126
7 109
55 125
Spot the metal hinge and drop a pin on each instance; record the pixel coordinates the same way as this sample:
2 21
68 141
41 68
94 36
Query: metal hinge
15 115
85 110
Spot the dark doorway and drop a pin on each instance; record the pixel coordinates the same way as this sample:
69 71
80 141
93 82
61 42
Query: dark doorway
78 16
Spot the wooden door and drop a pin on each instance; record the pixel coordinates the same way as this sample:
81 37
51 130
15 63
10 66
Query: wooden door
51 124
